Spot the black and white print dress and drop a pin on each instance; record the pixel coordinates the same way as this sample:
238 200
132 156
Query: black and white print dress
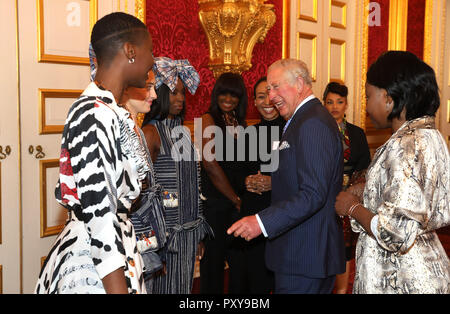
100 175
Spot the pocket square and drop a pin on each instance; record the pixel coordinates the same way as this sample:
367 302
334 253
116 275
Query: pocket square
284 145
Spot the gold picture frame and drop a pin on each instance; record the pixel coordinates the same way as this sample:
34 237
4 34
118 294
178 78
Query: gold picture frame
43 56
46 230
43 94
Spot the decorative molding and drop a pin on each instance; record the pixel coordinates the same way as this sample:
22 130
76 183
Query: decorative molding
313 39
1 230
43 56
428 31
362 40
232 30
342 44
140 10
43 94
305 17
398 24
45 229
286 29
343 6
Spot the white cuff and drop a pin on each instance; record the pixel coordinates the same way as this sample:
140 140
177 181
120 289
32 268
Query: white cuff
373 226
261 225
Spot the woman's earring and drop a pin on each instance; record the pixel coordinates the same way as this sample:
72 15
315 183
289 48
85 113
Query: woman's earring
131 60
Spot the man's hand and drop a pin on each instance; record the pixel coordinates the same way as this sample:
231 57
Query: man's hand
247 228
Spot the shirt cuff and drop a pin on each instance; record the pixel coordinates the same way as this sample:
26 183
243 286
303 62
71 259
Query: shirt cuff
261 225
373 227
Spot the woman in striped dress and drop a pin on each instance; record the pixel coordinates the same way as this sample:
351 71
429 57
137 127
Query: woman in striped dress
100 173
177 170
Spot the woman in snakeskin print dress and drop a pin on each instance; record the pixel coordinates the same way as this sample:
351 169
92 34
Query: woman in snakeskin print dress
407 191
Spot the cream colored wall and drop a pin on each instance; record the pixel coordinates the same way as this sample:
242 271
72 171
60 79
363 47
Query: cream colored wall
38 87
331 37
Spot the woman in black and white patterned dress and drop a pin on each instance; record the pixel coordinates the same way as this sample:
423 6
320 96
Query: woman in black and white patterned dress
100 173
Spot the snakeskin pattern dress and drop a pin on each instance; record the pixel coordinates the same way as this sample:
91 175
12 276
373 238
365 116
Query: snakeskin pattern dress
408 187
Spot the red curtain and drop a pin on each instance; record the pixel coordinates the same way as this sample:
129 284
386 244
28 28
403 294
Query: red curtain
177 33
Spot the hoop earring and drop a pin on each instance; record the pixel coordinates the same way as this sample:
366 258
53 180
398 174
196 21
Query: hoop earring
131 60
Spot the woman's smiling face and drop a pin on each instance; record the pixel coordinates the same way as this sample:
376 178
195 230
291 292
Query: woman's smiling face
262 103
227 102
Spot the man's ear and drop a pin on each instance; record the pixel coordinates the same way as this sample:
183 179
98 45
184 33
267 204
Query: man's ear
300 83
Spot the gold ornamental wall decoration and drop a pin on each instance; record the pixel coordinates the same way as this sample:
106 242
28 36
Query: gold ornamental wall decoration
233 27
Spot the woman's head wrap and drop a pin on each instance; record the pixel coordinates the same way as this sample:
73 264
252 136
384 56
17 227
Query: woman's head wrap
167 71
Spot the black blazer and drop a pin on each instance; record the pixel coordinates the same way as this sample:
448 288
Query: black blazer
359 149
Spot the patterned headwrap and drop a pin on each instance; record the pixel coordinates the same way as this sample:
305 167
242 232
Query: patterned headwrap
92 62
167 71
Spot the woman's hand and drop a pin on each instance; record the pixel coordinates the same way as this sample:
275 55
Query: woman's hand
344 201
200 250
258 183
357 190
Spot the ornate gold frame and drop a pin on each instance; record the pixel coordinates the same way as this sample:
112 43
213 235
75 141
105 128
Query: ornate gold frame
53 93
43 166
398 24
42 56
285 29
364 29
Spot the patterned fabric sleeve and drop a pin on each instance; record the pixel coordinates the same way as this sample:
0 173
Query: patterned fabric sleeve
94 158
405 210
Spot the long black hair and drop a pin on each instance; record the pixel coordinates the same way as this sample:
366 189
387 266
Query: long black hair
229 83
161 106
410 82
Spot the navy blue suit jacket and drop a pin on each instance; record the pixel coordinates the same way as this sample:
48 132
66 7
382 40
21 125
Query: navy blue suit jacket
305 235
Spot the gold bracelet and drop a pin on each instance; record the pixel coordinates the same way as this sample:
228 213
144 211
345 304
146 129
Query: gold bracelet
352 209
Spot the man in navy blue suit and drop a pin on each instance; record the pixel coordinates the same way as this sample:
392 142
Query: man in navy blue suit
305 246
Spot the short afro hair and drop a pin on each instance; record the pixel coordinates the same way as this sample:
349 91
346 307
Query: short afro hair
112 31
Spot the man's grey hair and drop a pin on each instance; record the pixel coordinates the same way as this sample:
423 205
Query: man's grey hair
294 68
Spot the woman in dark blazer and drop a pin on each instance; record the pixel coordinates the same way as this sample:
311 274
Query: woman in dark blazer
356 161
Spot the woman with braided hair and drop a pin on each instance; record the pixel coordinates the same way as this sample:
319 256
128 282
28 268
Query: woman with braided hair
178 172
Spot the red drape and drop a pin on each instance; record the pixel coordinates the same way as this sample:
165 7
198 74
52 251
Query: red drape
178 34
379 35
